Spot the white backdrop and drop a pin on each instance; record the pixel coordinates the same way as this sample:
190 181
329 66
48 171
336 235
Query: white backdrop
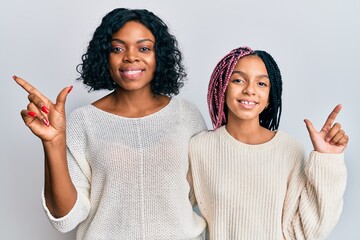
316 44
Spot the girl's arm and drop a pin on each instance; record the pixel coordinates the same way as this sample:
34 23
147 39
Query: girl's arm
314 197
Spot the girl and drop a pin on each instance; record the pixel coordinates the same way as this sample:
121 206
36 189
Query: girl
250 179
120 169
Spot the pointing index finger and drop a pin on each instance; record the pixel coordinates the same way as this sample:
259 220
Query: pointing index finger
28 87
332 116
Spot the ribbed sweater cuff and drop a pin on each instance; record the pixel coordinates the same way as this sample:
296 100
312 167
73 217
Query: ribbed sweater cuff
325 166
70 220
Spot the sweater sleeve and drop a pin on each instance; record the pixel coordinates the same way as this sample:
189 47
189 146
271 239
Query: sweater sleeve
192 118
314 197
80 173
191 193
195 123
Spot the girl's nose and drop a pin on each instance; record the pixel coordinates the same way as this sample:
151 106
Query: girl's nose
249 89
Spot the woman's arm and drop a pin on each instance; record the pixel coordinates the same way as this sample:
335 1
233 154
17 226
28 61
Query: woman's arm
48 122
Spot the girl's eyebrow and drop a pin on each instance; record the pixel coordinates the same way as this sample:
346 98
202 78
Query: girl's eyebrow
238 72
244 74
138 41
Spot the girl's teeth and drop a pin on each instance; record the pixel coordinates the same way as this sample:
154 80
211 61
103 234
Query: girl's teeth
248 103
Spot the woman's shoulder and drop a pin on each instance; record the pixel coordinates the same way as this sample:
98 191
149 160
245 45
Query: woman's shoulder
86 116
190 113
185 103
81 111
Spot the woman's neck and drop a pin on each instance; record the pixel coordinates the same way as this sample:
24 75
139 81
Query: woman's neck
132 104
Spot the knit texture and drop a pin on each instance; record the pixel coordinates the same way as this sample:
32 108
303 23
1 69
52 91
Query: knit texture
131 174
265 191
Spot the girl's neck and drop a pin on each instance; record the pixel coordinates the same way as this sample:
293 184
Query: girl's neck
249 132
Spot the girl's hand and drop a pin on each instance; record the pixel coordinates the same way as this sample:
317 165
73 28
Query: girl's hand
44 118
331 138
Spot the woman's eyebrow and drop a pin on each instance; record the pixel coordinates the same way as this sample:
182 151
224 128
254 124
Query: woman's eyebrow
145 40
117 40
138 41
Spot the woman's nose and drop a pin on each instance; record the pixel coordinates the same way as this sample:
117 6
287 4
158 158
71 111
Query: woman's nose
131 56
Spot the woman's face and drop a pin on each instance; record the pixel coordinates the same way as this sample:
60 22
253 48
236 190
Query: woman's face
132 57
248 90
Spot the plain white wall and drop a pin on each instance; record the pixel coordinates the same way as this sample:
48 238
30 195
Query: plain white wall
316 44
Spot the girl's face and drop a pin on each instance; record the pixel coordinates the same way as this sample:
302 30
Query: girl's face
132 57
248 90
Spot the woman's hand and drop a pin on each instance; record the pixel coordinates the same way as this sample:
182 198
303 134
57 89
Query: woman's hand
331 138
44 118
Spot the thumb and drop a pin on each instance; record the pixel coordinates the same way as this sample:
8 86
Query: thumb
61 98
310 127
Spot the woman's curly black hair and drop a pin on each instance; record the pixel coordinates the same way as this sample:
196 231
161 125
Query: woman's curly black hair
169 74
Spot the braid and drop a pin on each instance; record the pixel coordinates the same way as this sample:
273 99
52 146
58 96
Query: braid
218 83
219 80
270 117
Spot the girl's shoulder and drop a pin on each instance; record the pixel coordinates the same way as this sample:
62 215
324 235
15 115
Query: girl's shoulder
207 137
281 139
288 141
285 136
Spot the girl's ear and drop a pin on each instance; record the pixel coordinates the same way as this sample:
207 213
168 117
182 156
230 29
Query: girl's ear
267 105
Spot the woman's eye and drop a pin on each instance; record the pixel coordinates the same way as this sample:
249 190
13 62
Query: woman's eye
116 49
144 49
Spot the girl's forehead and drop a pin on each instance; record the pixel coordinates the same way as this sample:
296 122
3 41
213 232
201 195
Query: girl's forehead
249 58
251 63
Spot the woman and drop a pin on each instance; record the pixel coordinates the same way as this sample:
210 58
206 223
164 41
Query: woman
250 179
120 169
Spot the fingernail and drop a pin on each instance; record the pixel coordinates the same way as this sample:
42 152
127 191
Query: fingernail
45 109
46 122
32 114
14 77
71 87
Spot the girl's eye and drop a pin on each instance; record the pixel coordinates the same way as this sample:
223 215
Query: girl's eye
262 84
238 81
117 49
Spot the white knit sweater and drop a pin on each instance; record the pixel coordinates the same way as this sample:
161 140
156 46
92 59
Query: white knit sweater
265 191
131 174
